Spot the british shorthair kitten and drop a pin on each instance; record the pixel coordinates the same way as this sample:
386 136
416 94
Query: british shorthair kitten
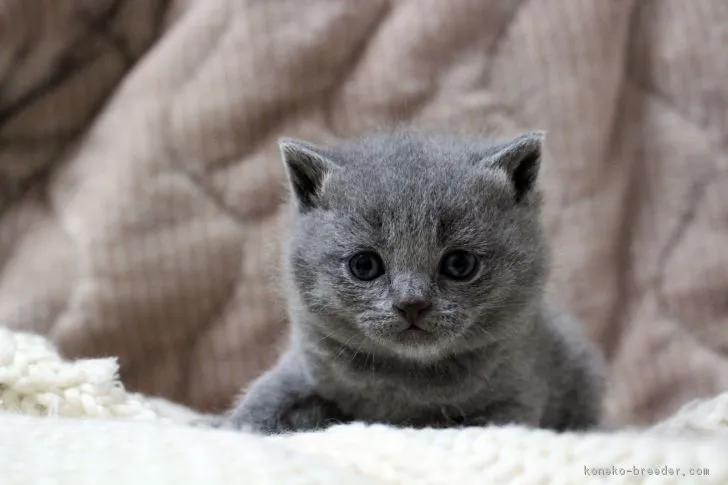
415 274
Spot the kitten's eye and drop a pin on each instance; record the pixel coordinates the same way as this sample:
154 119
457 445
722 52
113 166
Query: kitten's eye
366 266
459 265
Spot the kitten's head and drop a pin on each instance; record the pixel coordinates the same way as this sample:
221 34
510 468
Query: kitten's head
415 245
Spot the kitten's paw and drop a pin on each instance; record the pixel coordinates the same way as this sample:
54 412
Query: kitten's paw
223 423
312 413
506 414
211 421
306 414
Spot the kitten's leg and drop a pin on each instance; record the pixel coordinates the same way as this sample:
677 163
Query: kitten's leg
578 376
283 400
211 421
504 413
580 407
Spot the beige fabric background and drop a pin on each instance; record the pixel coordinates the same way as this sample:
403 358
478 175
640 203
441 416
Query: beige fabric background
141 193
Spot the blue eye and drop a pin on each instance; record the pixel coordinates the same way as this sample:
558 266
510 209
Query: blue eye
366 266
459 265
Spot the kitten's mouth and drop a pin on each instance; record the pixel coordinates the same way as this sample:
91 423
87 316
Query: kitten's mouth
403 335
417 342
416 329
415 334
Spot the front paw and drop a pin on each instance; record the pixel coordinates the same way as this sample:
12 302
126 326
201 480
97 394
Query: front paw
311 413
212 422
503 414
306 414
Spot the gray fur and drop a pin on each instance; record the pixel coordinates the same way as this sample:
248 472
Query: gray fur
492 352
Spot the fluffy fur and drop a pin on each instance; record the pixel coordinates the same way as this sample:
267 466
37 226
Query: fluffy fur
487 349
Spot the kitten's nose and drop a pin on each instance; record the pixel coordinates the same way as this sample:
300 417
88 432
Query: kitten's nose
413 309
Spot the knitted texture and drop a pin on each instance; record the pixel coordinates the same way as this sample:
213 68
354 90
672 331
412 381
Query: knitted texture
36 381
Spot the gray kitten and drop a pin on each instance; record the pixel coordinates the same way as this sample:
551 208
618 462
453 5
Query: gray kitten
415 272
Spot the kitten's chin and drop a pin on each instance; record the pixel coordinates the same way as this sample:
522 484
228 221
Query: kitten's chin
415 345
421 353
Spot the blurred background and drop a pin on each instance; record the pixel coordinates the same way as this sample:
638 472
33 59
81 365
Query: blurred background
141 193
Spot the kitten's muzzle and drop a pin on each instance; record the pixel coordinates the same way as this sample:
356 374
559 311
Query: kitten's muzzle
412 310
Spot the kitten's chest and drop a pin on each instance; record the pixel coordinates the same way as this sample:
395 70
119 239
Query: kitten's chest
401 395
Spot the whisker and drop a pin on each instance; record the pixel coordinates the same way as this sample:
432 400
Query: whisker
344 347
326 335
356 351
504 306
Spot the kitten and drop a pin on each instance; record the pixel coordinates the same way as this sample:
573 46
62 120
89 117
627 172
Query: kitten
415 272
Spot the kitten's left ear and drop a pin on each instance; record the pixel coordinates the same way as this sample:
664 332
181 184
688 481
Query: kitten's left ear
307 168
520 158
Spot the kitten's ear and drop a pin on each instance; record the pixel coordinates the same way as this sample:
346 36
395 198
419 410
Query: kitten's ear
520 158
307 168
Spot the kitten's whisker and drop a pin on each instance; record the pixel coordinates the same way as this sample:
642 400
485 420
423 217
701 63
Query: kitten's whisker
344 347
356 351
503 306
326 336
481 330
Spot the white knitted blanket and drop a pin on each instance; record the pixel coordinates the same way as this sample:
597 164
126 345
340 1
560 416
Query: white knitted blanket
130 439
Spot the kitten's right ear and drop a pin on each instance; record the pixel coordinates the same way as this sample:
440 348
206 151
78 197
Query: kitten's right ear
307 168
